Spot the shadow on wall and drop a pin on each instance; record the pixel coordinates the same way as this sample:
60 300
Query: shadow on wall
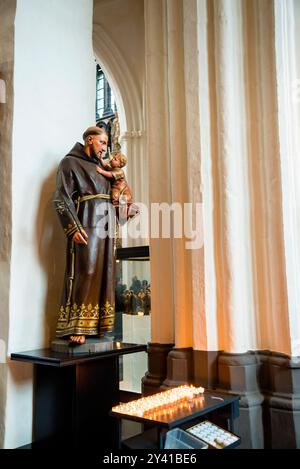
50 244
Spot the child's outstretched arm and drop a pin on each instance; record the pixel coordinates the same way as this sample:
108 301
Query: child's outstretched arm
107 174
104 163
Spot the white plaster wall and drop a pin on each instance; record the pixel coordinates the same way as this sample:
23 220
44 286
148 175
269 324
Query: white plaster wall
7 16
54 85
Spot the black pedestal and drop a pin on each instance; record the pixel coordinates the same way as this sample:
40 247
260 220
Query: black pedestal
73 396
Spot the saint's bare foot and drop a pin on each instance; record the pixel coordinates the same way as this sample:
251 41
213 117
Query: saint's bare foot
77 339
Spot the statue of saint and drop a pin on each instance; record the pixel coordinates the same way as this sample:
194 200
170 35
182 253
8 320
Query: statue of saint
83 203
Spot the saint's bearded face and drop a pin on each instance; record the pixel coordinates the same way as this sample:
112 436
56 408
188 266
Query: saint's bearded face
98 145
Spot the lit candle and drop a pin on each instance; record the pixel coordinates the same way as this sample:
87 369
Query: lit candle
161 401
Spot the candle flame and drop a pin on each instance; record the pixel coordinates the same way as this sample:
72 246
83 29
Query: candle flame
159 401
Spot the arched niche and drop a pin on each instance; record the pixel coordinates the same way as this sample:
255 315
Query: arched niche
121 80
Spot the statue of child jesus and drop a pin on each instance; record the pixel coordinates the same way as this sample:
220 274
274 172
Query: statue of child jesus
120 190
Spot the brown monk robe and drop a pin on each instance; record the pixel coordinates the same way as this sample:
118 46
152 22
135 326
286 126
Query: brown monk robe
83 203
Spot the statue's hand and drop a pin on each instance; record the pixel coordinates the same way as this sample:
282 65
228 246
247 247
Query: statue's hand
80 237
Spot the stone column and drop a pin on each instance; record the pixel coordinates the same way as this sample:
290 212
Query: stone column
157 367
240 373
179 167
271 309
287 23
199 82
279 380
158 150
232 229
171 163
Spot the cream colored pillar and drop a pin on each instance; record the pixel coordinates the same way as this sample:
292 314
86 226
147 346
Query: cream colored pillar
288 89
171 163
157 115
195 157
242 142
199 148
211 79
179 170
236 327
271 308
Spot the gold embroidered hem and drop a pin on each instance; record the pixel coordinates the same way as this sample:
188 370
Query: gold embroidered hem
81 320
107 317
85 320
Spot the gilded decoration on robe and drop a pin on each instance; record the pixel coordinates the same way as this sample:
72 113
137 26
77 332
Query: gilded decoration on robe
60 206
107 309
107 317
79 312
78 319
84 319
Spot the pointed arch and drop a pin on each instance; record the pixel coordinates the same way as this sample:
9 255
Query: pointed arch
121 80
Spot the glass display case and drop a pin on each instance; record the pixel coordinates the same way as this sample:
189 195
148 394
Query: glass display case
133 311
